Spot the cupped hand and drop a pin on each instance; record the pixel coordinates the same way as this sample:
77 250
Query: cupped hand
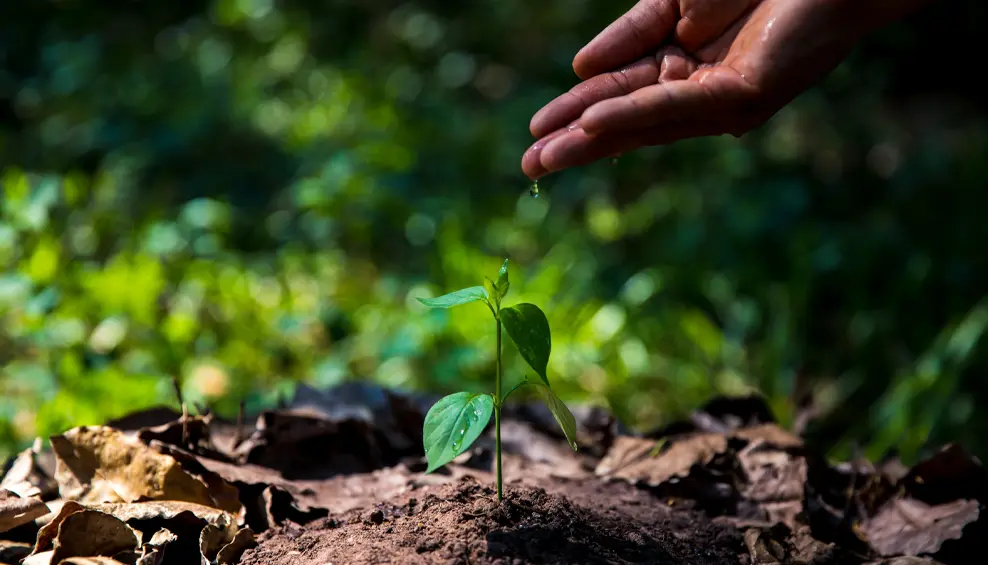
675 69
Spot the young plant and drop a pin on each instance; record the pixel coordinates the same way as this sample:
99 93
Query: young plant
456 421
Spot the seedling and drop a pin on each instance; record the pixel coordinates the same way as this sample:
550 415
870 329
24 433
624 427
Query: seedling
456 421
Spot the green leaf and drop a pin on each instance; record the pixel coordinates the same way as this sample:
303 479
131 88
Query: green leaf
559 411
529 329
503 284
453 424
462 296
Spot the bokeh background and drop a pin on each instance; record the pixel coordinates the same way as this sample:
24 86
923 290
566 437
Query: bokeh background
249 194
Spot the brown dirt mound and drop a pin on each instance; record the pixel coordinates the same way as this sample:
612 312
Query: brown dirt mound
461 523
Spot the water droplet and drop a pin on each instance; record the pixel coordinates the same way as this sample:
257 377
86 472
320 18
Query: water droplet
614 161
533 191
462 431
476 413
456 445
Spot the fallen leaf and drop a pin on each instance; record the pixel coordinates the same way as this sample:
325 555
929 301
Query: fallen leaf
768 433
225 495
89 533
14 551
48 532
230 553
16 511
146 418
631 458
100 464
764 548
211 540
774 481
911 527
28 474
184 520
165 510
313 447
153 551
280 506
950 474
905 560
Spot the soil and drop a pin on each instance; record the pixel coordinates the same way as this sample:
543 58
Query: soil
337 477
462 523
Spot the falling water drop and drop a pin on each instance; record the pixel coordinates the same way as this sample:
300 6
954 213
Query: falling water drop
533 191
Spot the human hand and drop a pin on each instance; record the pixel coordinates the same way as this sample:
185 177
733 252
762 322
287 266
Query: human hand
691 68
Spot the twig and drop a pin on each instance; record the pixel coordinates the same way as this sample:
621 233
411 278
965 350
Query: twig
239 437
185 411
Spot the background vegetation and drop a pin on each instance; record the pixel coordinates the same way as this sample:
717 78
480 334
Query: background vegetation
247 194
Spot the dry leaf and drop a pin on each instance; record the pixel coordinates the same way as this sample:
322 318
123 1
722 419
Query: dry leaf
775 481
230 553
211 540
153 552
16 511
768 433
911 527
48 532
166 510
90 561
764 549
89 533
43 558
14 551
631 458
905 560
99 464
27 475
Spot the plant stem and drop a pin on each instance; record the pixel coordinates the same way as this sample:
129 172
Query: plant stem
497 409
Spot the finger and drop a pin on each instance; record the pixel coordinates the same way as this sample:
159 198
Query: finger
577 148
713 92
702 21
531 163
674 64
637 32
569 106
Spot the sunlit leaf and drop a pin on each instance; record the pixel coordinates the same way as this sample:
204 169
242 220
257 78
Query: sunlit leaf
453 424
528 327
462 296
559 411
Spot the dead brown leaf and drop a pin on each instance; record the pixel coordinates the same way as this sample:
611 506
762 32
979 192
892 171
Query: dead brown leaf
16 511
48 532
28 475
230 553
768 433
775 481
89 533
90 561
165 510
14 551
153 551
911 527
905 560
99 464
764 548
632 458
950 474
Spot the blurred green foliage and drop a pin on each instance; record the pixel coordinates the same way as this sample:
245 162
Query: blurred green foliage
245 194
